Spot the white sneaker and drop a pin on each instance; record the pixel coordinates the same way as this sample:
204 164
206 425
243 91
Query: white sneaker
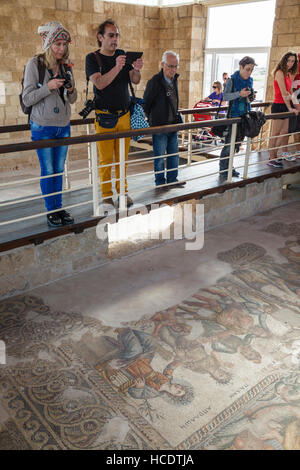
288 156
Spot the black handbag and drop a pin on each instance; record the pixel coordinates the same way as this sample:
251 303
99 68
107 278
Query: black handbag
252 123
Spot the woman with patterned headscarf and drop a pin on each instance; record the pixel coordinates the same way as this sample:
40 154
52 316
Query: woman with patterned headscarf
51 112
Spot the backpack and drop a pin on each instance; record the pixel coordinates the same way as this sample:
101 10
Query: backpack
41 69
253 122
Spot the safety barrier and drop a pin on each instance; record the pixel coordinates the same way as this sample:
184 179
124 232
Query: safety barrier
187 128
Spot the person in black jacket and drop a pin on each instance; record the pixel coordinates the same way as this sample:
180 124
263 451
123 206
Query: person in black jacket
161 107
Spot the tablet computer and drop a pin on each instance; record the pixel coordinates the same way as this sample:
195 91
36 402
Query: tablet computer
132 57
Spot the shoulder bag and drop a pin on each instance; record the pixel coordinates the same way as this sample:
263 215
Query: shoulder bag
137 116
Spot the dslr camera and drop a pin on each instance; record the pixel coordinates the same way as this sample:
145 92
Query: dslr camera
64 74
89 105
252 94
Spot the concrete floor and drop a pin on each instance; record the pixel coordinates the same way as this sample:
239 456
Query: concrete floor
141 284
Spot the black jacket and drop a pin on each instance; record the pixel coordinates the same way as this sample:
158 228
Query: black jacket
156 104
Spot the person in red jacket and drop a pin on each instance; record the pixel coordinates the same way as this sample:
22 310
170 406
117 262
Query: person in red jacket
283 74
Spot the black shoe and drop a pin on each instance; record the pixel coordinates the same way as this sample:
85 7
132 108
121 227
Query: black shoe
66 218
223 175
275 163
161 189
54 220
178 185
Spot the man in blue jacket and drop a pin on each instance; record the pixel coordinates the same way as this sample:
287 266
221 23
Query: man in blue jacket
161 107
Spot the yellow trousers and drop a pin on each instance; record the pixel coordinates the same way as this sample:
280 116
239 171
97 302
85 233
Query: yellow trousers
109 152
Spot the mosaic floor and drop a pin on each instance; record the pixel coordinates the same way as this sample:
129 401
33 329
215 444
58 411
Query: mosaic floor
166 349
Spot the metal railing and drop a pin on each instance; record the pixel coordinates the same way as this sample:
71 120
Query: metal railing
92 168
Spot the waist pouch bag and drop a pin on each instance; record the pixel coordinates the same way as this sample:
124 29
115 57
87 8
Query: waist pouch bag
137 116
107 121
253 122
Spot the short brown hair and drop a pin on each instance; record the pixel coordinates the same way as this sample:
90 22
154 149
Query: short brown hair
102 26
246 61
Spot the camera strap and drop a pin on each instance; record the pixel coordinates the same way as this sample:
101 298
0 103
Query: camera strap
60 91
175 113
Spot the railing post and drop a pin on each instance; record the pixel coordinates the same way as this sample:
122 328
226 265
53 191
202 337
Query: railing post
89 155
190 141
95 179
122 197
232 149
269 133
183 132
248 148
66 169
260 139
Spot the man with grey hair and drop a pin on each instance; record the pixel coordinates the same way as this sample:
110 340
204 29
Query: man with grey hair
161 107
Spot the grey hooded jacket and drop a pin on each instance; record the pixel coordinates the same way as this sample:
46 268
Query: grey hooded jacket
43 100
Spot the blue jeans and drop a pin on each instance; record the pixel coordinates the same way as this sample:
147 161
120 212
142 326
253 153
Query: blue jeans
52 161
165 143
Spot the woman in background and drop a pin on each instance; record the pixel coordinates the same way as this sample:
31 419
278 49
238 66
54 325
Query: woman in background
294 122
217 95
283 74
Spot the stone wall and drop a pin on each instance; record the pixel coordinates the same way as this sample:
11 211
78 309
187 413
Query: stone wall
25 268
139 28
286 37
149 29
183 29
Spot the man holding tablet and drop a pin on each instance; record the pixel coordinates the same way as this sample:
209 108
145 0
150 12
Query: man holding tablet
110 71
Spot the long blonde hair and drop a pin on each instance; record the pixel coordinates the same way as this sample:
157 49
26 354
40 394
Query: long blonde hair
49 59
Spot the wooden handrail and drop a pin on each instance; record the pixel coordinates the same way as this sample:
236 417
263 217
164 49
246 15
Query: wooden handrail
222 108
80 122
10 148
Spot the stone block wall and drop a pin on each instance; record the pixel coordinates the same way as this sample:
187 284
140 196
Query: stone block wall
25 268
286 37
183 29
150 29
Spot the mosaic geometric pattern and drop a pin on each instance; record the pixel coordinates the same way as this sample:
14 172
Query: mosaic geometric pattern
220 370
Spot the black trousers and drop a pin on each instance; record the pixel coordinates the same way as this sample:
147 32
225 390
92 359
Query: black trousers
226 150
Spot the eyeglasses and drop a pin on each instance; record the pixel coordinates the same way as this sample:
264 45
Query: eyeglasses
214 86
172 66
112 35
